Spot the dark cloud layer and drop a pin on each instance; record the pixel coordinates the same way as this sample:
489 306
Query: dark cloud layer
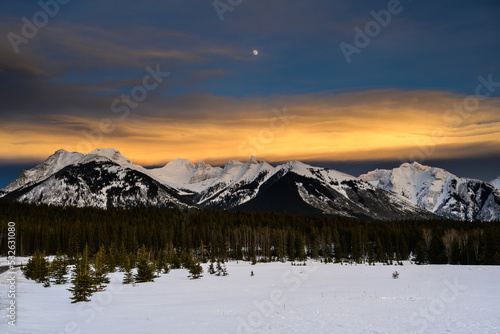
66 78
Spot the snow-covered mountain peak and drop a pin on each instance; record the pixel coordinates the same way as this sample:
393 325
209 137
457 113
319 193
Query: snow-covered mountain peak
202 164
69 178
175 172
179 164
232 163
60 152
296 166
496 182
53 164
112 154
415 166
412 181
438 191
254 160
324 175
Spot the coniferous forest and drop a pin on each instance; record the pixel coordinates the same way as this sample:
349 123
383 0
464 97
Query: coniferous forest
249 236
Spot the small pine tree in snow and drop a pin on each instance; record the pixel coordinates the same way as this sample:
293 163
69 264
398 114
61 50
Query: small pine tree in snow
174 260
100 272
59 269
83 284
196 270
219 268
395 275
159 263
38 269
165 263
211 269
112 259
166 268
187 260
145 268
127 267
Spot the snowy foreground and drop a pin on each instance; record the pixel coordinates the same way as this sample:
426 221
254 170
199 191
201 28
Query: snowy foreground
280 298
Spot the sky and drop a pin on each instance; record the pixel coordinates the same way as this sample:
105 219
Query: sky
347 85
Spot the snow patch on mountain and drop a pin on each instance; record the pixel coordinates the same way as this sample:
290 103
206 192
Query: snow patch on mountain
496 182
381 194
201 177
421 185
100 183
51 165
439 191
112 154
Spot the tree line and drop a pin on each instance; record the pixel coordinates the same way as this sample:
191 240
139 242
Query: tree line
89 272
173 235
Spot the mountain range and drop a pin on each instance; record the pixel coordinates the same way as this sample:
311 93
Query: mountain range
104 178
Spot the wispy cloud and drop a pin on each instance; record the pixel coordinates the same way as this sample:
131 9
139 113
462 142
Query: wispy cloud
372 124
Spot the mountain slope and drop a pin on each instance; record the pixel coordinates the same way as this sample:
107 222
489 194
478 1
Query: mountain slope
439 191
53 164
92 180
294 187
295 193
496 182
104 178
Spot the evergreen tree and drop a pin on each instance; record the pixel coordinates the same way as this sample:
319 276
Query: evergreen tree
158 263
437 252
162 263
83 284
224 269
99 275
127 267
145 268
112 259
166 265
299 247
38 268
242 235
59 269
314 249
211 269
122 254
174 260
29 268
196 270
219 268
420 253
187 260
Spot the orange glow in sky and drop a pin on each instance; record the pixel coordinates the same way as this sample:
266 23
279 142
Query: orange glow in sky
378 124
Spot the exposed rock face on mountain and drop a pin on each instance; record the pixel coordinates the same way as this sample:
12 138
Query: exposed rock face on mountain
439 191
74 179
496 182
104 178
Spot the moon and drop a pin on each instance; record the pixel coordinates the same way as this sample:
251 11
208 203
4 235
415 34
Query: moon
255 52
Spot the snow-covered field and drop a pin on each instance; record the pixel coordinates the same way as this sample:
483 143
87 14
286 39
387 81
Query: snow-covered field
280 298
